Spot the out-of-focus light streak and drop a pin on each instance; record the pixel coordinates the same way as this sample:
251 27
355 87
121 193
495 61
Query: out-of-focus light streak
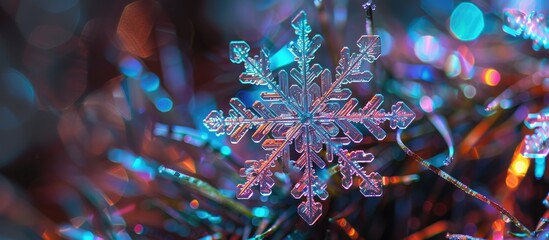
349 230
392 180
19 99
442 127
476 133
205 189
76 234
181 133
172 67
135 28
429 231
132 162
520 86
466 22
460 185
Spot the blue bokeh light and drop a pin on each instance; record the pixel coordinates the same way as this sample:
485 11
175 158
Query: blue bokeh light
163 104
150 82
130 67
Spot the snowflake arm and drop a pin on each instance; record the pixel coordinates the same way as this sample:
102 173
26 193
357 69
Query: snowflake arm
258 72
258 172
535 145
350 67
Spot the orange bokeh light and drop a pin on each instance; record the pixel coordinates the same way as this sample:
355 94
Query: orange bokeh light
491 77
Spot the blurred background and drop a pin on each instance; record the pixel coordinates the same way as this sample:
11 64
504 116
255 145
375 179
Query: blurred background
101 100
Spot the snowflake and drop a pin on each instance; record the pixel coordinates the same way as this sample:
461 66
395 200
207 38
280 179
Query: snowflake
535 145
309 116
530 26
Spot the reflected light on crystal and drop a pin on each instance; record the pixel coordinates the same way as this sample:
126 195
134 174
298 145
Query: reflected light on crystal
426 103
452 67
466 21
491 77
427 49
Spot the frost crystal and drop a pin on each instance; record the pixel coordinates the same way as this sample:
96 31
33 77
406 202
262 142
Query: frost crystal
309 116
535 145
530 26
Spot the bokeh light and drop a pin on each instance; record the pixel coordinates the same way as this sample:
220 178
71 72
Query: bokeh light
130 67
428 49
469 91
466 22
163 104
452 67
387 41
150 82
491 77
426 103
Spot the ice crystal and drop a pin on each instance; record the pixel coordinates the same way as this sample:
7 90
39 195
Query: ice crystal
535 145
530 26
308 115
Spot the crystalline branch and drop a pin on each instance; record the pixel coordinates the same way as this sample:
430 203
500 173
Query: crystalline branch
535 145
309 115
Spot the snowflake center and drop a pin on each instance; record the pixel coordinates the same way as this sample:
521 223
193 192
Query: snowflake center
307 119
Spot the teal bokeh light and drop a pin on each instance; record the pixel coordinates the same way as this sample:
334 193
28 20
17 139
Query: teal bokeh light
226 151
466 22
